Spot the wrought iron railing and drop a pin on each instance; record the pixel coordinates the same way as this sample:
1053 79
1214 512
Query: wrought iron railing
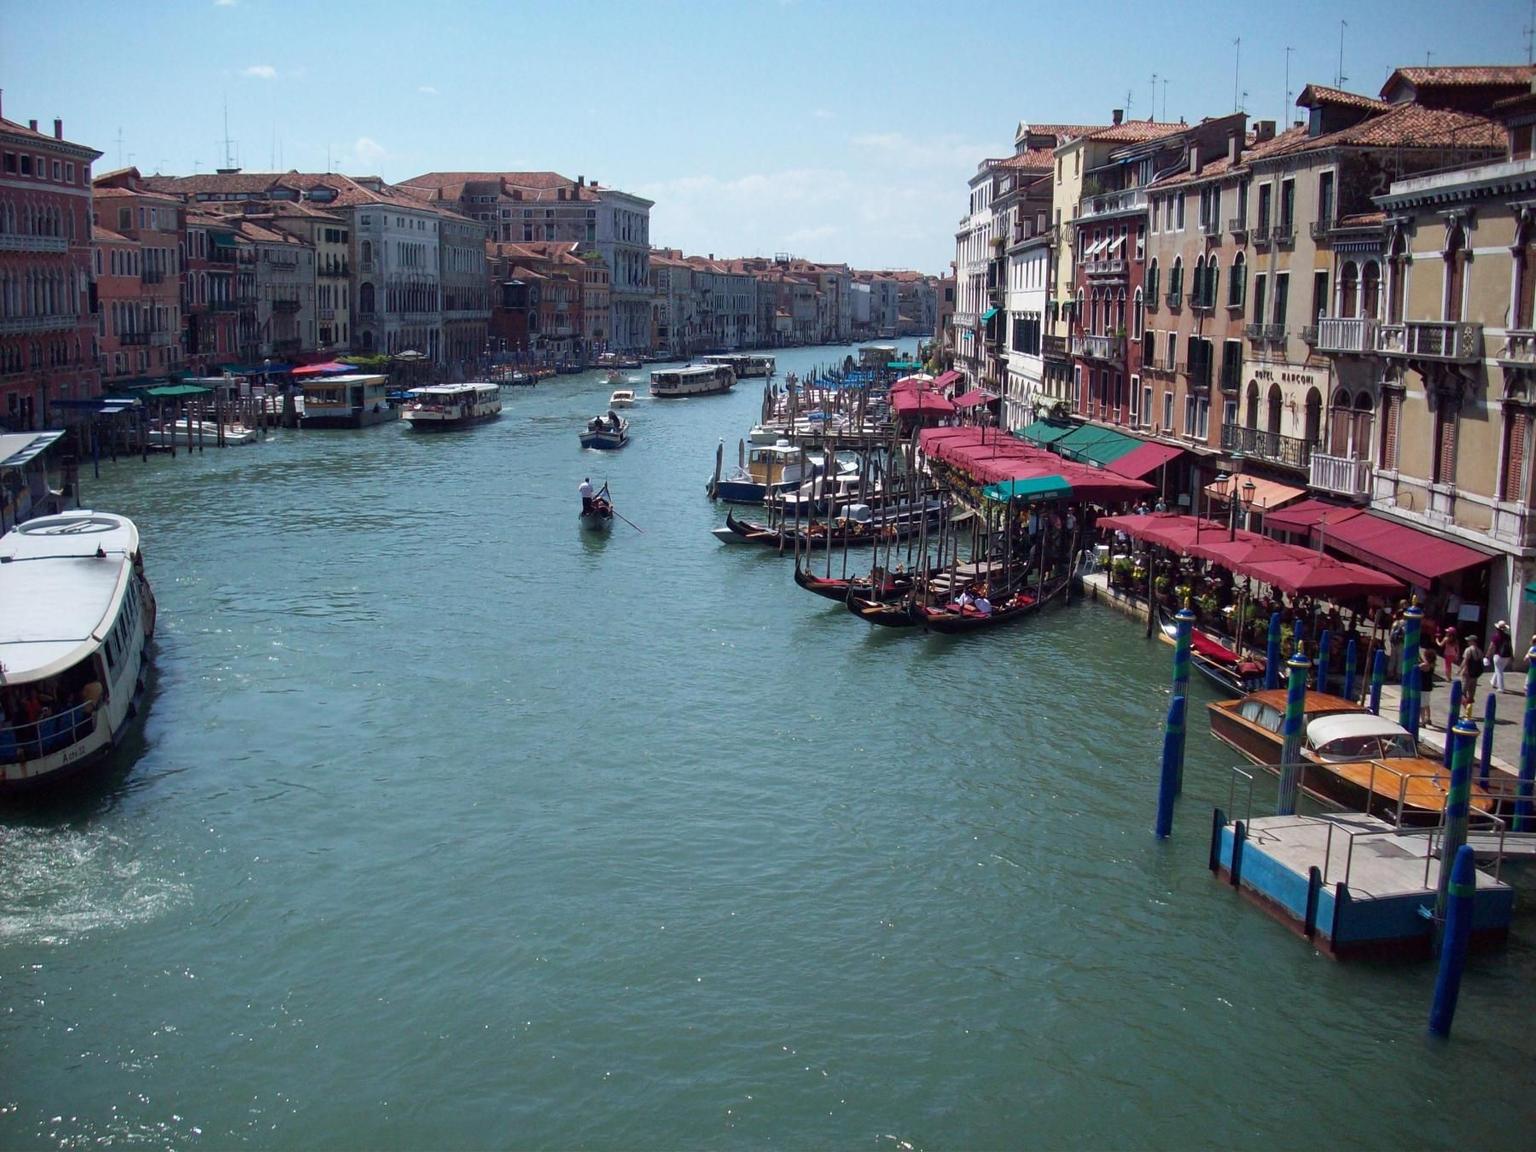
1285 450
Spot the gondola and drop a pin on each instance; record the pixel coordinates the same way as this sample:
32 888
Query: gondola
896 614
1235 675
890 587
855 536
1025 602
600 517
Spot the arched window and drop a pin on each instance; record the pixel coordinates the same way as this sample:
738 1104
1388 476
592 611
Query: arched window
1238 288
1397 276
1152 273
1349 283
1272 425
1525 275
1176 277
1197 288
1119 312
365 297
1138 316
1212 281
1252 421
1370 289
1455 272
1341 416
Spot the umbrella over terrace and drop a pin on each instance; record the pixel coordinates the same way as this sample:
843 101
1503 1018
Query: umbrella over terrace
1319 575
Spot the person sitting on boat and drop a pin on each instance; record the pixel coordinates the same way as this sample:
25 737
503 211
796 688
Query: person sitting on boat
964 600
613 420
982 605
584 490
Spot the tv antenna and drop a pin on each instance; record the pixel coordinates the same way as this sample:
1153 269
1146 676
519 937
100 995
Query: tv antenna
1165 99
1237 62
119 145
1339 77
1285 112
229 160
1530 35
1152 107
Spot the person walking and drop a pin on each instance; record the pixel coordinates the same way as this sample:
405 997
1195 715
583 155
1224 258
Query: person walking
1470 668
1450 650
1501 650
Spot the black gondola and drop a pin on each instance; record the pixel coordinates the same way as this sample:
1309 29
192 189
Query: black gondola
897 614
599 516
890 587
1025 602
1235 675
856 536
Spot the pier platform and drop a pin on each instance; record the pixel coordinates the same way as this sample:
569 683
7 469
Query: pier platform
1355 885
1095 586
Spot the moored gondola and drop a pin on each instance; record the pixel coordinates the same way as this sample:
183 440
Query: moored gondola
853 533
879 587
1234 674
952 620
895 614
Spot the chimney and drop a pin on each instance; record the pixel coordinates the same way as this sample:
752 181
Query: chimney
581 181
32 124
1234 146
1194 158
1263 130
58 128
1117 114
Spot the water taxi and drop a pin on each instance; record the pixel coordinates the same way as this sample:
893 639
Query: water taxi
76 611
694 380
771 469
607 432
352 401
622 398
439 406
745 364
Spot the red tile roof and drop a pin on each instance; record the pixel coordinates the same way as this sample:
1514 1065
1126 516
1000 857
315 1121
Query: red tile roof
1462 75
1060 131
1314 94
1030 160
1410 126
1136 131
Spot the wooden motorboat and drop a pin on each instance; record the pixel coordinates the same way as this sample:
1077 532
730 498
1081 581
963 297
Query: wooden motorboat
1356 759
606 432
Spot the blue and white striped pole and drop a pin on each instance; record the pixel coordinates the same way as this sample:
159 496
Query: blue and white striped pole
1458 804
1455 936
1485 761
1168 781
1323 643
1183 629
1350 656
1378 675
1450 720
1408 705
1527 777
1272 653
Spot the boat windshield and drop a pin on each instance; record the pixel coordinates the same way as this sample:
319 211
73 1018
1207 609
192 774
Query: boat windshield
1367 746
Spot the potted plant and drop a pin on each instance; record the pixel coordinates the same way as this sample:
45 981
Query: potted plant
1120 571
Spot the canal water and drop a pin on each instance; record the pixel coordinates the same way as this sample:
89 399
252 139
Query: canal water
450 824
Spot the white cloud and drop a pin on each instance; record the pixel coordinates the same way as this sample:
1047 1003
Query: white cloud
426 90
822 114
224 3
367 153
261 72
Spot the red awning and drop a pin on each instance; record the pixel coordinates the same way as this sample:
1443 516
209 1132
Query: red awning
909 402
948 379
1418 557
1319 575
1301 517
1166 529
975 398
990 456
1147 458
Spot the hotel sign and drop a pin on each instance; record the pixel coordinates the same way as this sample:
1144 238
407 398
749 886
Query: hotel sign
1294 376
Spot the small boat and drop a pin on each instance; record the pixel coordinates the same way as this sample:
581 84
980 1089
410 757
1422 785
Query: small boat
622 398
357 400
1234 674
744 364
201 431
606 432
896 614
771 469
879 587
694 380
599 517
438 407
520 380
1354 758
76 615
857 527
954 618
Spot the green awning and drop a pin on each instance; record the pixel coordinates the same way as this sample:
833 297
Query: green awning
903 365
1530 591
1028 488
172 390
1095 444
988 314
1045 431
227 239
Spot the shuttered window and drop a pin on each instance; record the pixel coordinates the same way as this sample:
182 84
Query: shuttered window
1517 431
1391 409
1445 447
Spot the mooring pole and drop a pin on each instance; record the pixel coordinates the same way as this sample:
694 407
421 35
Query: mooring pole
1378 675
1290 749
1454 938
1485 760
1173 754
1272 653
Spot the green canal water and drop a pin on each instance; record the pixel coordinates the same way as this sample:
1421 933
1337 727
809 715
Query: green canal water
450 825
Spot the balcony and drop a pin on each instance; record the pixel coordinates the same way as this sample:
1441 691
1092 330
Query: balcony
160 339
133 339
1274 333
12 242
1283 234
10 325
287 306
1238 226
1197 374
1254 332
1114 267
1519 349
1346 335
1284 450
338 270
1321 230
1112 204
1053 347
965 319
1157 367
1444 342
1099 347
1175 299
1201 303
1262 235
365 266
1309 335
1342 475
327 314
1211 227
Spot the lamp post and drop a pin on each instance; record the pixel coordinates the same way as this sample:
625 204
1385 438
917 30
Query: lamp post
1237 505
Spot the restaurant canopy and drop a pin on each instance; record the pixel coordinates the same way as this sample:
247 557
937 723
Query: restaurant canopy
1144 458
1045 431
1417 557
994 458
1172 530
1319 575
975 398
334 367
1303 516
174 391
1267 494
948 379
907 402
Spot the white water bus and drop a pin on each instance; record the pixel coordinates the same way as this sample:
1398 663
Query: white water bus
694 380
438 406
745 364
76 612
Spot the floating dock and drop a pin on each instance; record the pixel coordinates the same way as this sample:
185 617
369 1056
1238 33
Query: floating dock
1355 885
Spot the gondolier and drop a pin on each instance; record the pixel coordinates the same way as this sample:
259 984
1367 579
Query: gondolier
584 490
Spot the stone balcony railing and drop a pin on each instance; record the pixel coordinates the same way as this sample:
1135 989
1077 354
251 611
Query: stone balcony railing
1346 335
1284 450
1345 476
1444 341
1112 203
1054 347
285 305
965 319
1519 349
1099 347
1115 267
1238 226
15 242
10 325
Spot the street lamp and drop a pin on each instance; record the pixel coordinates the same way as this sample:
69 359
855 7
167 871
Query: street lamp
1239 505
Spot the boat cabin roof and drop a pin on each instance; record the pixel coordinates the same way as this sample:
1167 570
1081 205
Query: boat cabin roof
452 389
321 383
1314 704
58 598
1341 725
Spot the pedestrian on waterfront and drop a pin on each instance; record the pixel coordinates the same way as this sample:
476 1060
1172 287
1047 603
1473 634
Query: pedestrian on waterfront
1450 650
1162 505
1142 509
1426 684
1470 668
1500 650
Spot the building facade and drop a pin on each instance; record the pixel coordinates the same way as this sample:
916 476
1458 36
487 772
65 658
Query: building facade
47 331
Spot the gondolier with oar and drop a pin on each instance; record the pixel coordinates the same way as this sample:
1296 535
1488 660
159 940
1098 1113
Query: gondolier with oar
584 490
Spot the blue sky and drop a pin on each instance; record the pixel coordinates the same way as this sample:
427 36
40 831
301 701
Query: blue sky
836 131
